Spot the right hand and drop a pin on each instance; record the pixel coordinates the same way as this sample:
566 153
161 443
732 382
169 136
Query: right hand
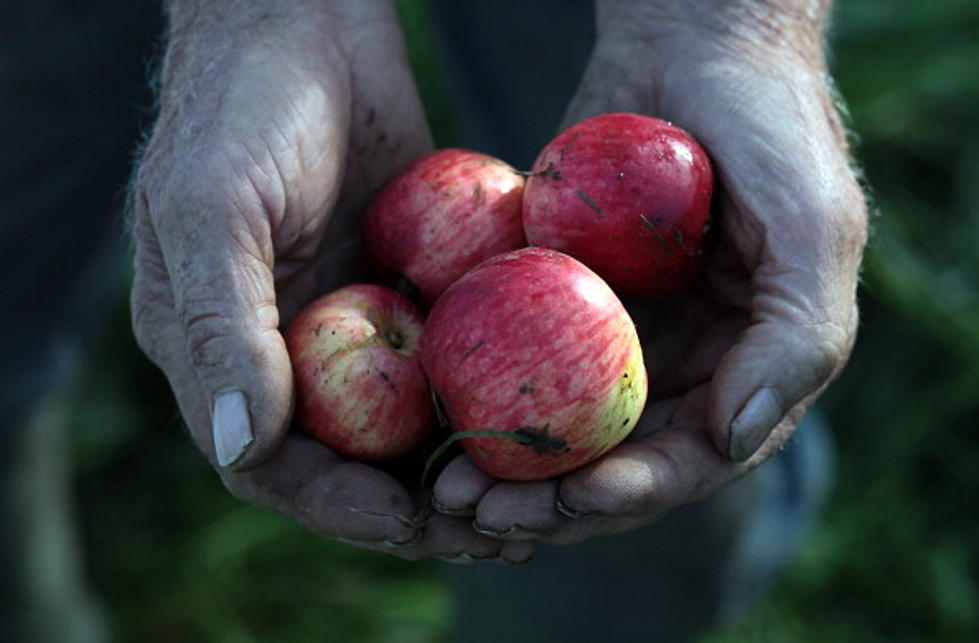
277 121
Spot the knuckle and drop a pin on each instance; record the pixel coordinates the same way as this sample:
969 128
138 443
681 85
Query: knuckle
847 228
827 351
820 350
832 345
208 333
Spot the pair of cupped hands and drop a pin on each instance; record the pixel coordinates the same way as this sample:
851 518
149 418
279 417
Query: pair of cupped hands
277 123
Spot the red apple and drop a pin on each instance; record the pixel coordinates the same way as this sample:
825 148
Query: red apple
443 214
534 344
360 388
626 194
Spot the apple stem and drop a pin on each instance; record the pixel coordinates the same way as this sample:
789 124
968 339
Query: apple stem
395 339
482 433
548 171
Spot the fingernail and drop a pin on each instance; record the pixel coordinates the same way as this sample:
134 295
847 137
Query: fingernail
448 511
754 423
414 539
231 426
513 532
459 559
571 513
494 533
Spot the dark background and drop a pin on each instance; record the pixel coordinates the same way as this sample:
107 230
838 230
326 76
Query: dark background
173 557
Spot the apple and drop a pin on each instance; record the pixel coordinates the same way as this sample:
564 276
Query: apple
535 347
441 215
628 195
360 387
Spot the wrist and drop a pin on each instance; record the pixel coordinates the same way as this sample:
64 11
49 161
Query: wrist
750 28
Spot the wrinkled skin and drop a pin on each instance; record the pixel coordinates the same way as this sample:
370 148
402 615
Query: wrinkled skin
276 124
776 307
273 131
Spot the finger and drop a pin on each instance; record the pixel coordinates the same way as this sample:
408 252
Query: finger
670 461
459 487
517 553
340 499
452 539
519 510
219 256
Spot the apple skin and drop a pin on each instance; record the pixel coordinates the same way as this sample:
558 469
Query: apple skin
628 195
532 342
360 387
441 215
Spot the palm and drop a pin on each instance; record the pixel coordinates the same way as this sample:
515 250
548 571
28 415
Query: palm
317 235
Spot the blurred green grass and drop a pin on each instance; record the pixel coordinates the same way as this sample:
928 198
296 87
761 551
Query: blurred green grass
175 558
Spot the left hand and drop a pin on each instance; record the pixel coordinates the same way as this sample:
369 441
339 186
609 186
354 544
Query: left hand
735 361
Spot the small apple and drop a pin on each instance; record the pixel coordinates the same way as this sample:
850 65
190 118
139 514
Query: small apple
628 195
534 346
441 215
360 388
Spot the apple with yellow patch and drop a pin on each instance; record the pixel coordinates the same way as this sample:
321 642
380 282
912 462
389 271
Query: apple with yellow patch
533 352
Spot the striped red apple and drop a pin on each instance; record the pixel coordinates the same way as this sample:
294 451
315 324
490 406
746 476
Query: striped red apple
535 352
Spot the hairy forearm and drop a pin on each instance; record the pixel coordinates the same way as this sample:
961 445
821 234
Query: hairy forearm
323 29
234 15
795 26
208 41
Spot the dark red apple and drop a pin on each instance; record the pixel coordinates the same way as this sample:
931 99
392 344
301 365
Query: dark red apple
534 344
628 195
442 215
360 387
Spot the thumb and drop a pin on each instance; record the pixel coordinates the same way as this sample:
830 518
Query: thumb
804 318
776 366
218 257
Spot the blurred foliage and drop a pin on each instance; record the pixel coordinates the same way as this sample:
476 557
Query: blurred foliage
176 558
896 557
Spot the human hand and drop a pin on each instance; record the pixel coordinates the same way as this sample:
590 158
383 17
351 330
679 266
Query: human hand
276 122
735 362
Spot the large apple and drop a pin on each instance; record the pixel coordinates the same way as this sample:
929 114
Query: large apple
360 387
533 344
628 195
441 215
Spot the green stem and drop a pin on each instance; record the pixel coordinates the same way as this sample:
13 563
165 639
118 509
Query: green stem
452 439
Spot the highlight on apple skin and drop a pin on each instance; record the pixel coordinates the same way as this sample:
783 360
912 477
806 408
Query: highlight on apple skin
535 344
629 196
360 387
